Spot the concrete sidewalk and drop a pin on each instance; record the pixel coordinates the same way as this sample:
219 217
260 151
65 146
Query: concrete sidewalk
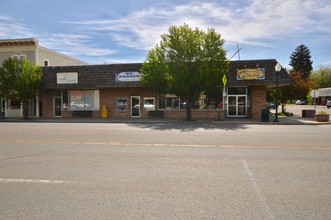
294 120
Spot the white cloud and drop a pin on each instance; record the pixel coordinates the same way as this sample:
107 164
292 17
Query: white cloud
11 28
250 24
73 44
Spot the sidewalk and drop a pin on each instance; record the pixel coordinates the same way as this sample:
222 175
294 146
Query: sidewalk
294 120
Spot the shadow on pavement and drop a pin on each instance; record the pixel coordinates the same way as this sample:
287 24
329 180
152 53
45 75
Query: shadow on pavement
188 126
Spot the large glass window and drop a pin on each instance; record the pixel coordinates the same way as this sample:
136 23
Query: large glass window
83 100
149 104
14 104
237 91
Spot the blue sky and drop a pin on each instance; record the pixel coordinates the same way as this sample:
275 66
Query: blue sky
109 31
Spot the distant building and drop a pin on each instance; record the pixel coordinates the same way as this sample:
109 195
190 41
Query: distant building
30 49
323 95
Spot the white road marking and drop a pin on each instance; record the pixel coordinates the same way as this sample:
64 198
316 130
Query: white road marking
263 201
5 180
112 143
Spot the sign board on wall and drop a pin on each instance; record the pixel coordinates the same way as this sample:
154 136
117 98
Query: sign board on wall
128 76
67 78
251 74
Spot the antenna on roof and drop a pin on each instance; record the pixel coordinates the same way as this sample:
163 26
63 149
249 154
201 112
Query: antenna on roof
237 52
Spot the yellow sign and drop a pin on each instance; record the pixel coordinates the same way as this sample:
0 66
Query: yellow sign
224 80
251 74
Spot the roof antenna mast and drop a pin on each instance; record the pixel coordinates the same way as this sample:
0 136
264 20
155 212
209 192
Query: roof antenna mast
237 52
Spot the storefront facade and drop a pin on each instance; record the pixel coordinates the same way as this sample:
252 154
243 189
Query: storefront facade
86 91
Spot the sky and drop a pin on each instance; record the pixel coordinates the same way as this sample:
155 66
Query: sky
123 31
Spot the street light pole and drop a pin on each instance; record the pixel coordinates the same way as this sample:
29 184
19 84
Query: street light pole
278 67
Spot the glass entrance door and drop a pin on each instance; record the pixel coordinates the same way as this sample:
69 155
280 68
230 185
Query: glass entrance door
57 107
135 106
237 106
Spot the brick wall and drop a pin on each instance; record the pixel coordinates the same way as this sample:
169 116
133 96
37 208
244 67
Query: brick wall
259 99
196 114
47 103
109 97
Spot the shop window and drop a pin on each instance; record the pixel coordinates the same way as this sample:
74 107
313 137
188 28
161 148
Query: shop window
175 103
237 90
122 104
84 100
65 100
14 104
149 104
3 105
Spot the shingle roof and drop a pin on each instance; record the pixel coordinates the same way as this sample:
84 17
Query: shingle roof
90 76
103 76
270 74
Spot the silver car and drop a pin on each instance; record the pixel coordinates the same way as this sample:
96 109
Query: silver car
79 105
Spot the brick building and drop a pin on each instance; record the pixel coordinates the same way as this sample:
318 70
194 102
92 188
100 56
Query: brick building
76 91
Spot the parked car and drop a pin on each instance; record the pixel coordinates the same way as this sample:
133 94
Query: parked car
300 102
271 105
149 107
328 104
79 105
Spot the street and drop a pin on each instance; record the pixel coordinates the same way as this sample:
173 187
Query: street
164 171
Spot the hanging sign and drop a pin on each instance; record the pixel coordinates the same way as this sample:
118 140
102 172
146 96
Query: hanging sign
67 78
127 76
251 74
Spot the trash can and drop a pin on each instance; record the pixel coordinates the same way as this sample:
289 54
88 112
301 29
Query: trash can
265 115
104 112
308 113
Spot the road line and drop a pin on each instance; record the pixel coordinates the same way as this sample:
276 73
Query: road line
263 201
101 142
5 180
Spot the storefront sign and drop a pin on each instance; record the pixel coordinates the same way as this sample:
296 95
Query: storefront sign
67 78
251 74
128 76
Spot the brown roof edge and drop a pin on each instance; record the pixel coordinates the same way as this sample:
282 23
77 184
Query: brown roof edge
19 42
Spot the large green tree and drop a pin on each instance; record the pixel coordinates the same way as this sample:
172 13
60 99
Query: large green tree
300 60
187 62
20 80
322 77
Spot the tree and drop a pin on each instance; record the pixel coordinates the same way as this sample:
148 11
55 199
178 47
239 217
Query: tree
20 80
301 60
187 62
322 77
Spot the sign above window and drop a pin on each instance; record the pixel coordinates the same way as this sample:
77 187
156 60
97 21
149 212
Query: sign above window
67 78
251 74
128 76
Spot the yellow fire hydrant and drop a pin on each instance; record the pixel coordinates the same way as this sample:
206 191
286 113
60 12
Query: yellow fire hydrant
104 112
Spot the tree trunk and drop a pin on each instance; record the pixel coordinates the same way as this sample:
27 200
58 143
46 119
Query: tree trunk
189 109
26 110
283 108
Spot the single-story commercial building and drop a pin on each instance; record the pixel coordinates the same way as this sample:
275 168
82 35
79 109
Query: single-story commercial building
92 90
323 95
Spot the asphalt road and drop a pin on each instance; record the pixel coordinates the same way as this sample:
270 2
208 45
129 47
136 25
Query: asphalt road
164 171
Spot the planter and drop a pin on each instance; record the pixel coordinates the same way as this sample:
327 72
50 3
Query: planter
322 118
